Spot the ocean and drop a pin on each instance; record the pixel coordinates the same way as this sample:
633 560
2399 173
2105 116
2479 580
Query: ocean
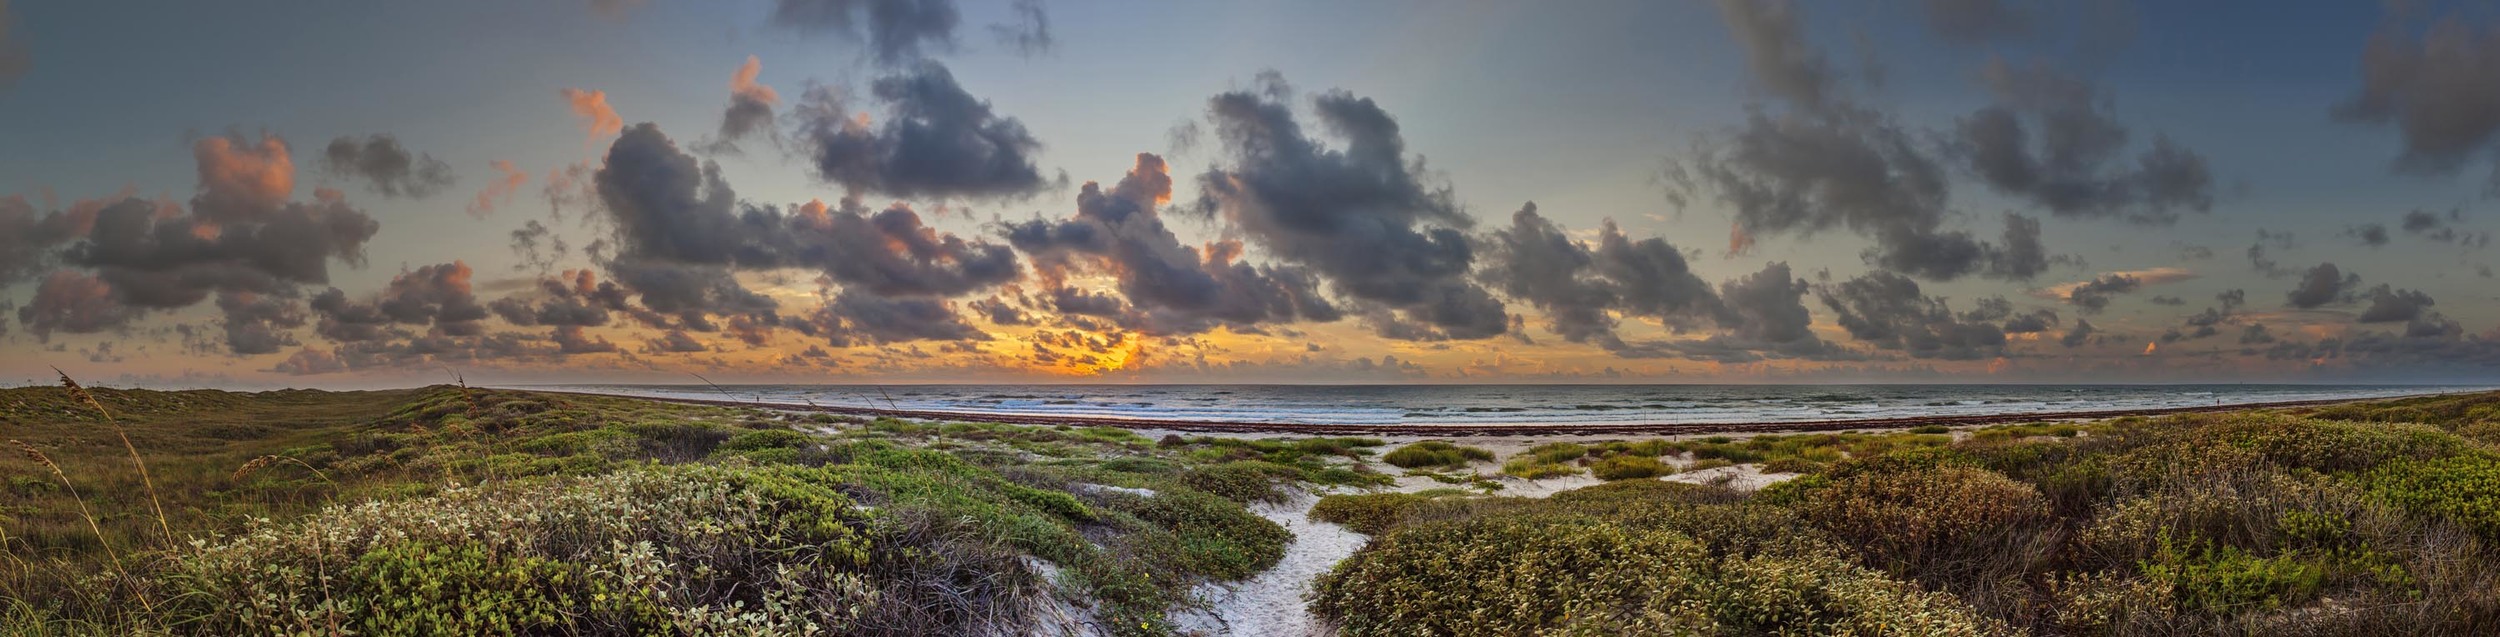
1412 405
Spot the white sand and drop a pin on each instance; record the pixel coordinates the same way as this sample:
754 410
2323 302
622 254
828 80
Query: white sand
1271 603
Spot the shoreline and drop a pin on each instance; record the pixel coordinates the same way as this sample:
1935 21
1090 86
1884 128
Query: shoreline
1460 430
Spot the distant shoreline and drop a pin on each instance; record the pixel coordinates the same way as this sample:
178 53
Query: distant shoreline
1473 429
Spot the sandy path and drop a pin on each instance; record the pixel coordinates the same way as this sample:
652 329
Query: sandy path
1271 603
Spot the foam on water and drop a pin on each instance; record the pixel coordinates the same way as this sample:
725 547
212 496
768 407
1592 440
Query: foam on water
1515 404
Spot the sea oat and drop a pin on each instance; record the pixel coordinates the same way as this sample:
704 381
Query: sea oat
82 395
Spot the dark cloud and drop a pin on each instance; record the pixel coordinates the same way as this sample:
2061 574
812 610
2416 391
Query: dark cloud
1029 34
682 234
2255 334
1362 217
1784 65
2093 296
242 238
2442 228
2369 234
2389 305
865 319
27 238
674 342
2439 86
2078 335
256 324
308 361
1975 21
2166 300
895 31
73 302
2260 259
389 169
1888 310
1766 311
1579 289
934 140
2322 285
436 297
1175 288
2051 138
750 106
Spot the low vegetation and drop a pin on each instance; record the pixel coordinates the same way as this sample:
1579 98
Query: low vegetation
2375 518
452 510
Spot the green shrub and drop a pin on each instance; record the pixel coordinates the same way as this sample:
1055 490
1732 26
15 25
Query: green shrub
767 439
1556 452
2464 489
1931 429
1529 467
1553 575
1708 464
681 550
1910 520
1368 513
1628 467
1435 453
1241 481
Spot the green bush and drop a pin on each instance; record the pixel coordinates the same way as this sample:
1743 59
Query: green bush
1435 453
2464 489
1914 519
1529 467
1628 467
1368 513
692 550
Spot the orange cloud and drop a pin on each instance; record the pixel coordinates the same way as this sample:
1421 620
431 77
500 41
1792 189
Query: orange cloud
744 85
240 179
598 118
499 190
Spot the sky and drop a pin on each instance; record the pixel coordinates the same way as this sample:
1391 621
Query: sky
261 194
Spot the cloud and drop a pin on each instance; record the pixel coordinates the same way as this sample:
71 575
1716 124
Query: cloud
73 302
243 239
1889 311
2440 87
2052 139
750 104
1176 289
2369 234
936 140
896 31
598 119
852 318
388 168
2093 295
2389 305
1362 216
256 324
674 342
2322 285
498 192
435 296
681 233
2442 228
1029 34
2078 335
1783 64
309 361
28 238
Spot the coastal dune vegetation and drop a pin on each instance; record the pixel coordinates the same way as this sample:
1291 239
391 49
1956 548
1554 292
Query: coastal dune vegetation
457 510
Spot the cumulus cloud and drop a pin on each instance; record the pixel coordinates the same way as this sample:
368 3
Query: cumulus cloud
2443 228
935 140
1363 216
2052 138
2094 295
2322 285
750 105
385 166
598 119
852 318
1783 64
73 302
2439 86
437 297
28 238
895 31
1889 311
2389 305
2078 335
243 239
1175 288
1579 289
